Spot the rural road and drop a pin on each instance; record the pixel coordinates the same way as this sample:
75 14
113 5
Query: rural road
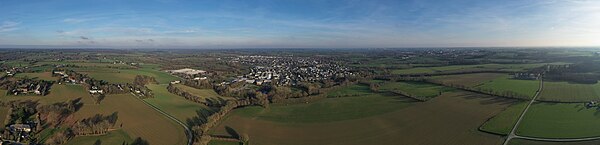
188 131
512 134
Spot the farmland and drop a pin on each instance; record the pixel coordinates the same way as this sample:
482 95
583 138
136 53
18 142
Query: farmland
468 80
204 93
353 90
41 75
503 122
567 92
463 68
422 90
175 105
520 87
59 93
137 119
404 125
112 138
560 120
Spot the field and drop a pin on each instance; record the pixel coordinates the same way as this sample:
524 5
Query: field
439 119
137 119
560 120
415 88
517 141
204 93
176 106
41 75
3 115
521 87
218 142
566 92
504 122
468 80
353 90
112 138
126 75
58 93
460 68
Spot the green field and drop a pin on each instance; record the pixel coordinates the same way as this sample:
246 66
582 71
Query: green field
468 80
419 89
3 115
504 122
328 110
560 120
567 92
204 93
518 141
521 87
440 119
41 75
176 106
115 137
459 68
126 75
58 93
352 90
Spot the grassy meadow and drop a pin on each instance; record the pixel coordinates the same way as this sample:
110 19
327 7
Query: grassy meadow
40 75
560 120
424 90
521 87
468 80
176 106
204 93
460 68
114 137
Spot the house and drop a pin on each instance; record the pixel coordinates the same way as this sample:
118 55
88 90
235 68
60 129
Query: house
20 127
95 90
175 82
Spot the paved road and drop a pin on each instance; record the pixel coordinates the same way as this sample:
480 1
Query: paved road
512 132
188 131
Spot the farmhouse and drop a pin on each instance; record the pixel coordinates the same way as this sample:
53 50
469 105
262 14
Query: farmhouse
20 128
95 90
187 71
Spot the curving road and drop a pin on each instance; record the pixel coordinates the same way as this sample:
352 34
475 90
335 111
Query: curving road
188 131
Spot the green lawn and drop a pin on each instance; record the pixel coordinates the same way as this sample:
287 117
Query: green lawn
560 120
504 122
176 106
115 137
330 109
521 87
426 90
567 92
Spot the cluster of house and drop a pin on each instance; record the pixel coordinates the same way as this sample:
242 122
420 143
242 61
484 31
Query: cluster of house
95 90
28 88
63 75
189 73
21 131
289 70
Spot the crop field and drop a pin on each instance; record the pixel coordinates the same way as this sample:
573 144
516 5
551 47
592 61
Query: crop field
504 122
353 90
176 106
115 137
416 88
560 120
205 93
126 75
137 119
218 142
41 75
567 92
468 80
440 119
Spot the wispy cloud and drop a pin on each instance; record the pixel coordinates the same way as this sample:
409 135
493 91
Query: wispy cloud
7 26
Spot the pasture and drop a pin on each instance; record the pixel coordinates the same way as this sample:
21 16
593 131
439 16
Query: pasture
3 115
567 92
218 142
503 122
438 121
462 68
58 93
518 141
176 106
114 75
560 120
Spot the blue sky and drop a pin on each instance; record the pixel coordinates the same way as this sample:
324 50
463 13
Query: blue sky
299 23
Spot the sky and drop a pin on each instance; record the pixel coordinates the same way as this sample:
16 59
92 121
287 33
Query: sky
299 23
